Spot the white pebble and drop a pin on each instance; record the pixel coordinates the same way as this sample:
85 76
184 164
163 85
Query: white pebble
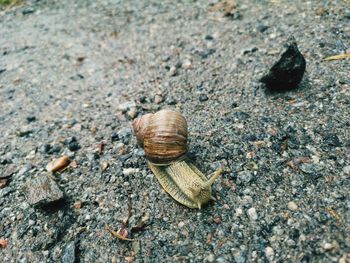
252 214
239 211
327 246
181 224
130 171
187 64
346 169
292 206
269 253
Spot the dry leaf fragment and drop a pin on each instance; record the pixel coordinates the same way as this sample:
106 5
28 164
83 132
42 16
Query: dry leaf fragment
337 57
58 164
121 233
260 143
3 243
227 6
3 183
101 146
334 214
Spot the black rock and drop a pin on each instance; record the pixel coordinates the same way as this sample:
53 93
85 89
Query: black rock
262 28
73 144
28 10
206 53
332 140
203 97
286 73
171 101
114 136
31 118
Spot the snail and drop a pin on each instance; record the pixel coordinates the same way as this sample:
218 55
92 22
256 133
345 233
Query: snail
163 136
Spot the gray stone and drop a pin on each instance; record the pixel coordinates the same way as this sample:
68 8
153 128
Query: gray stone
244 177
42 191
310 168
69 253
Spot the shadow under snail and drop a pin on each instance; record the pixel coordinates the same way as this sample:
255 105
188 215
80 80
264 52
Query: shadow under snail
163 136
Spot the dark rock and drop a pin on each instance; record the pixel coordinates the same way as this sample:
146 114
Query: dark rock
241 115
347 14
2 70
142 99
114 136
288 71
332 140
205 54
249 50
24 132
69 253
171 101
31 118
262 28
56 148
203 97
45 148
73 144
43 191
28 10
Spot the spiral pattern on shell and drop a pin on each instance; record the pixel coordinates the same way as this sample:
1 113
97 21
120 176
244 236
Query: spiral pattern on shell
163 136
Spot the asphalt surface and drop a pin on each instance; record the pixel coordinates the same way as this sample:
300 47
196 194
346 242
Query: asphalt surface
73 76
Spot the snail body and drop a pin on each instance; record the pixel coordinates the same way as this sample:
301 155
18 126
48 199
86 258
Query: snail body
163 136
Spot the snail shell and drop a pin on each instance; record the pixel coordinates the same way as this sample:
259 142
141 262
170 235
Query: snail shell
162 135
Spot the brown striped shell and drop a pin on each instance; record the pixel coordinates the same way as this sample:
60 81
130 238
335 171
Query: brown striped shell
163 136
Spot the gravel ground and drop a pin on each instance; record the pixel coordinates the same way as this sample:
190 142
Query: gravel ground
75 73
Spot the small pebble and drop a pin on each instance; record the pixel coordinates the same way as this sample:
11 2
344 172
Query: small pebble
292 206
210 258
31 118
173 71
217 220
28 10
187 64
327 246
252 214
346 169
239 211
226 207
158 98
171 101
132 112
73 144
269 253
203 97
130 171
181 224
